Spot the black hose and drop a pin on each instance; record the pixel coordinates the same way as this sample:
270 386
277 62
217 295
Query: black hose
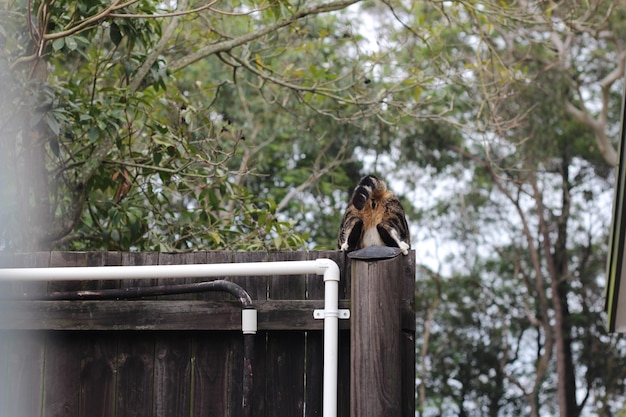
140 292
248 374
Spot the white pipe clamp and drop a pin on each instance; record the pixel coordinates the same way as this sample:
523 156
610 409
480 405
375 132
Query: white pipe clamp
249 321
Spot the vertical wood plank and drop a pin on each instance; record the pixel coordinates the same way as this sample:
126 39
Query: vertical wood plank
172 388
218 360
285 350
408 336
260 376
62 374
135 374
97 375
22 359
375 372
343 374
314 373
408 374
210 363
314 348
235 374
136 353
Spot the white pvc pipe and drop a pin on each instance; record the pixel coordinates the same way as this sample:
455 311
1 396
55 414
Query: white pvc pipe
331 348
81 273
322 266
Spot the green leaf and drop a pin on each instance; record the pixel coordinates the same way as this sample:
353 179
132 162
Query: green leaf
71 44
262 219
216 237
58 44
162 140
115 34
214 200
277 11
417 91
93 134
53 124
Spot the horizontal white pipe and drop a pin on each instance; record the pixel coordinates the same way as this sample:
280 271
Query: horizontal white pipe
322 266
87 273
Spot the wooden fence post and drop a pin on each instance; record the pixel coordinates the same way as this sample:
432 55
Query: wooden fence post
376 337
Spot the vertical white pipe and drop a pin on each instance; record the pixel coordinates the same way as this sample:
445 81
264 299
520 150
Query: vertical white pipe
331 336
322 266
331 347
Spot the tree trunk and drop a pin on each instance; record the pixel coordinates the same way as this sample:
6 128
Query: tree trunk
556 262
567 378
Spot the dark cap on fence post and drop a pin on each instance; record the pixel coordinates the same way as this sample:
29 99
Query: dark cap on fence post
376 332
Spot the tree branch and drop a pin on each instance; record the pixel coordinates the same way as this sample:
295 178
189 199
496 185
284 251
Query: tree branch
117 5
599 125
143 70
249 37
179 13
318 172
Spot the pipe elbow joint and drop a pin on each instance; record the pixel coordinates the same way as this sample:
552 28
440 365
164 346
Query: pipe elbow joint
328 268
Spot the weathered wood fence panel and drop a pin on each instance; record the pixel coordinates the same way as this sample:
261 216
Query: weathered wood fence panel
174 355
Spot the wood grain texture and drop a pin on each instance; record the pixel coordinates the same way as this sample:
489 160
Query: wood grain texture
172 372
376 361
61 377
211 374
141 315
135 373
97 376
285 350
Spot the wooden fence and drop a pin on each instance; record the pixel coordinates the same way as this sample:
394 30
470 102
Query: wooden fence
181 355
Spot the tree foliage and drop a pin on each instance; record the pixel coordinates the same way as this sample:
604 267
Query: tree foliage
93 171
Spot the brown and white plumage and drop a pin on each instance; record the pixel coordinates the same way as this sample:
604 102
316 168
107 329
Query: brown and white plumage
373 217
